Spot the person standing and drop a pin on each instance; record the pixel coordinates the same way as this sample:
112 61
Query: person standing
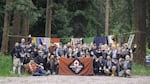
60 51
22 53
15 53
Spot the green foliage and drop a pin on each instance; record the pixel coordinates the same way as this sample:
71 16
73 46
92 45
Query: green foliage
23 6
60 21
90 30
121 16
75 18
65 40
1 18
5 65
34 16
27 7
148 51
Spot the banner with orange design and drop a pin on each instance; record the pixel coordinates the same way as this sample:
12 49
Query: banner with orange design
72 66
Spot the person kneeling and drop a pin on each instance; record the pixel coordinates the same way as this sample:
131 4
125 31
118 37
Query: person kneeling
126 67
109 67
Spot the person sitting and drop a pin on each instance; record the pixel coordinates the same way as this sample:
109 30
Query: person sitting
98 65
40 70
39 59
35 69
31 67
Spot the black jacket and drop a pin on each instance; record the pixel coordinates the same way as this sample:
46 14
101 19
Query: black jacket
16 51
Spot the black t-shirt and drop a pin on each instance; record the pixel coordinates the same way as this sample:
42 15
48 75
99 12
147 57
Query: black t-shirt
39 59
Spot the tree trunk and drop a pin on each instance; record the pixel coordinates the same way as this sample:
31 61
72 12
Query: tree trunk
100 18
140 24
26 26
148 26
107 17
48 19
16 28
4 47
130 9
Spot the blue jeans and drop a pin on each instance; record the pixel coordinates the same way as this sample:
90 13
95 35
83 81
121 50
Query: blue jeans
39 72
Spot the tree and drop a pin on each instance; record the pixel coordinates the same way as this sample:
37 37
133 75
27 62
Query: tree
38 22
148 26
2 3
121 17
16 28
140 24
101 12
64 18
48 19
4 47
26 25
107 17
22 10
26 9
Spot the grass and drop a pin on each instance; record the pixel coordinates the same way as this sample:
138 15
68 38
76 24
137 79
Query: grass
140 70
6 67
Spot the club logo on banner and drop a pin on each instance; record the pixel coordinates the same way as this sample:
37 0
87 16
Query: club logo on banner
76 66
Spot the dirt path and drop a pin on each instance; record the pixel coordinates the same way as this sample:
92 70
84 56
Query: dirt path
57 79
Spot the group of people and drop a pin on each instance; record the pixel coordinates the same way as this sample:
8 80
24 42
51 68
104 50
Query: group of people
43 60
